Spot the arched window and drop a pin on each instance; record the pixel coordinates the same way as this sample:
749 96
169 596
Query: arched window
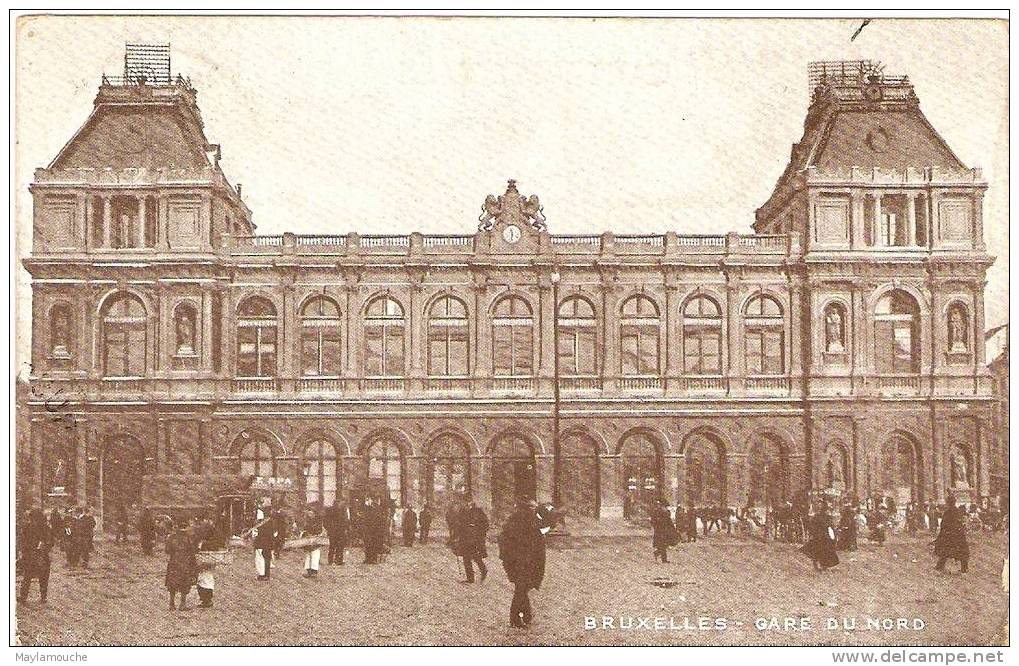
256 338
385 467
513 338
578 351
764 336
60 331
641 457
638 337
256 457
448 347
958 329
702 337
898 469
321 471
124 328
447 470
896 343
185 324
320 337
383 338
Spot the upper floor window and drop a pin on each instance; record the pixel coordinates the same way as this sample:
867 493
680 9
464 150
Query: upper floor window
896 333
448 347
383 338
320 337
702 336
638 337
513 338
124 337
60 331
256 338
577 337
764 336
958 329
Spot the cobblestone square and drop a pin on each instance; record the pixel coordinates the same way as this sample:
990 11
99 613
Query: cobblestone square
416 597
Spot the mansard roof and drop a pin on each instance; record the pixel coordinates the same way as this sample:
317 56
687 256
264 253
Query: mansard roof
139 126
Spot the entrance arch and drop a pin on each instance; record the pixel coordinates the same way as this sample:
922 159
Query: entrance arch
899 470
641 457
447 470
123 472
580 475
513 473
704 478
767 471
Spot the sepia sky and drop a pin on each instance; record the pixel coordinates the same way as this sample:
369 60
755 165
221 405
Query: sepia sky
397 125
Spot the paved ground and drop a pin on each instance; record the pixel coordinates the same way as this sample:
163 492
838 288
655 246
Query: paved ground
416 598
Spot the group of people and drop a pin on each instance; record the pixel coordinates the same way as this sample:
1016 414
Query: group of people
824 530
71 530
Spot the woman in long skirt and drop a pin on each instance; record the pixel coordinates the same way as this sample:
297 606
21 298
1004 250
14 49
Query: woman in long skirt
821 546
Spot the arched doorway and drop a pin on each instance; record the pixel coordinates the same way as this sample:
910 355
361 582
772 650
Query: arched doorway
704 477
641 457
767 472
579 481
447 470
513 474
385 470
898 470
123 471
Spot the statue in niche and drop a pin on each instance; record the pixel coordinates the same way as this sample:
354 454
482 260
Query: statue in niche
185 332
835 479
958 470
61 332
59 476
956 331
833 332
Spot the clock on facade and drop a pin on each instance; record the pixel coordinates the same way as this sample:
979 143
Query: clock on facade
511 234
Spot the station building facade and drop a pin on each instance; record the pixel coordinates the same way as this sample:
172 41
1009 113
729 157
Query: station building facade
840 344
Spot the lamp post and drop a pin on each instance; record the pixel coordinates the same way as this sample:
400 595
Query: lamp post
556 452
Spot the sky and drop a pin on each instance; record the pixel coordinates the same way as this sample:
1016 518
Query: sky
396 125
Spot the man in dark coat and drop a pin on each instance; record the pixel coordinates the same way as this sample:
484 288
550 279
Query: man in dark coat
337 523
181 566
663 531
472 529
425 522
35 540
409 526
691 524
951 542
146 530
122 523
375 519
522 551
264 542
82 536
847 529
452 518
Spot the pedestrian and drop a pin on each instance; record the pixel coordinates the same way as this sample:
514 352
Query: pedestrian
522 551
951 542
284 528
663 531
472 530
313 528
56 525
452 514
820 548
374 525
208 540
181 566
264 534
83 535
691 523
409 525
847 529
425 522
71 537
337 525
121 522
146 530
33 552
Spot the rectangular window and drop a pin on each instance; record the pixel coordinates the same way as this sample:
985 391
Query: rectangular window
764 353
373 352
394 352
702 352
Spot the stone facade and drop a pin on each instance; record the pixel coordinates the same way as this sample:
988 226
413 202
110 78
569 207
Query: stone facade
840 344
